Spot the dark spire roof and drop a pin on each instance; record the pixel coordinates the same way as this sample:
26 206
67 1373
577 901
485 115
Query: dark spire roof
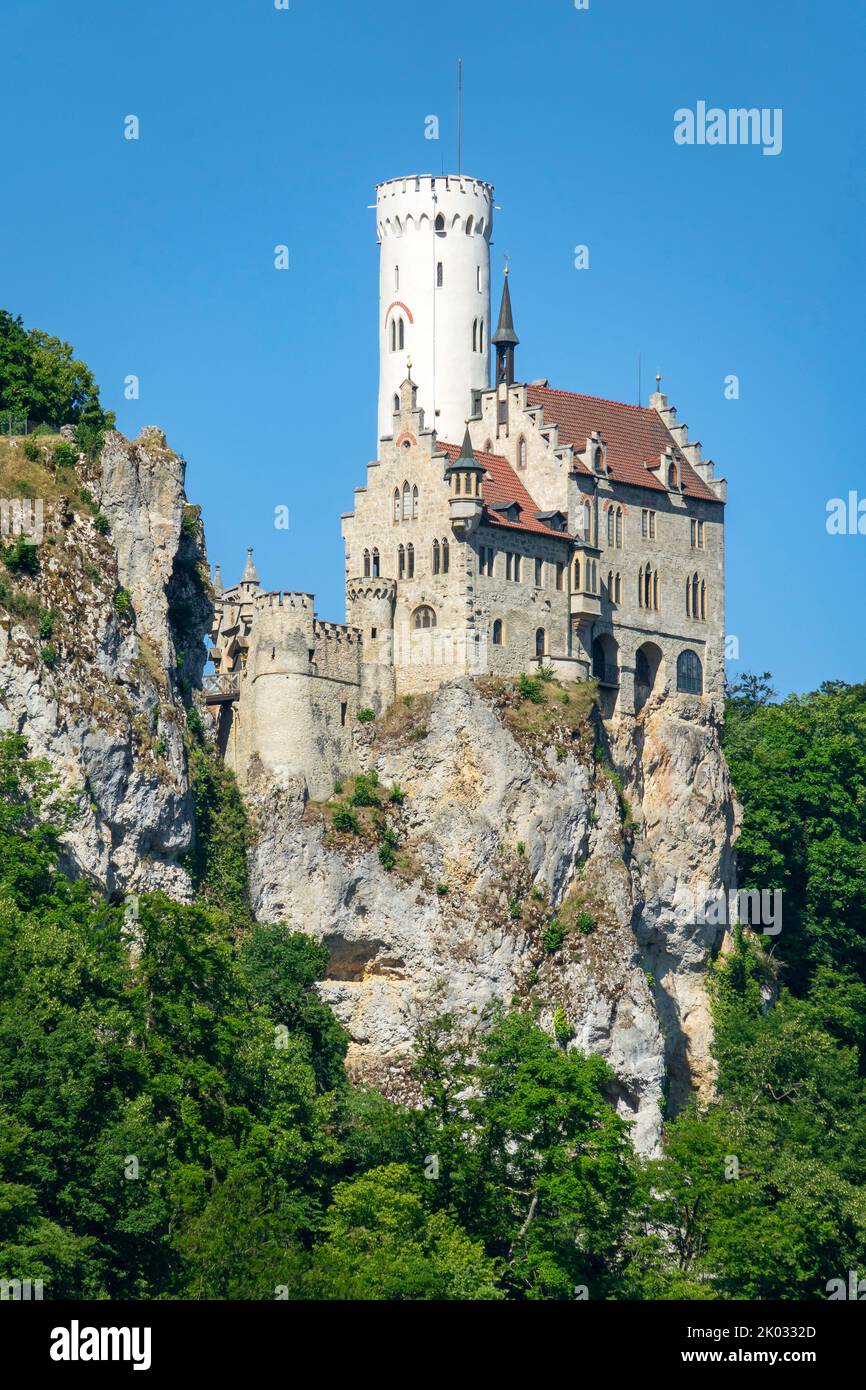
466 460
505 334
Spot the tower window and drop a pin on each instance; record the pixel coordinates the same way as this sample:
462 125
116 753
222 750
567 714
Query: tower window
481 336
343 708
439 225
424 616
474 335
396 404
470 221
497 633
439 274
401 563
521 452
400 333
540 641
435 557
375 564
396 504
414 504
410 562
393 335
407 502
366 564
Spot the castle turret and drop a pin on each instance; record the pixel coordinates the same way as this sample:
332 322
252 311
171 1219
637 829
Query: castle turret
466 480
250 582
434 295
505 340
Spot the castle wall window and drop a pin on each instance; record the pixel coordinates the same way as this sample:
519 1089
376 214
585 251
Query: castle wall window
576 584
445 557
469 224
474 335
481 336
439 274
393 335
401 563
407 502
673 476
414 504
648 587
508 564
697 534
517 569
648 524
539 573
560 575
521 452
400 332
497 633
396 404
410 562
540 642
614 527
435 557
696 598
366 564
617 589
375 564
486 556
423 617
502 412
690 675
439 225
396 504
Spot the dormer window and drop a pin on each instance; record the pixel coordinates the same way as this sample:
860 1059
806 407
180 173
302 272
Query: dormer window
673 476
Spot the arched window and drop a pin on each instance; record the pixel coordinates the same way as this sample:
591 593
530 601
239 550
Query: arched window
435 557
396 404
610 526
576 583
445 557
673 475
610 585
400 333
423 617
641 669
414 504
655 589
407 502
693 609
497 633
617 584
366 564
647 587
703 599
690 675
410 562
521 452
375 564
481 336
393 335
439 225
618 519
474 335
396 504
457 477
469 224
439 275
540 641
401 562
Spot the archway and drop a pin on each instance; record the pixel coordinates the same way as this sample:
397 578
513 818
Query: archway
647 669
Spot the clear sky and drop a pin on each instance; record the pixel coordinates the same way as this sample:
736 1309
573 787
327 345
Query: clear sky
261 126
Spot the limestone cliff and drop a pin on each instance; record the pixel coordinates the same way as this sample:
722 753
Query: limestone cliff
539 856
96 647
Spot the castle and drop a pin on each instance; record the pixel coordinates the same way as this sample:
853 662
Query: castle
503 526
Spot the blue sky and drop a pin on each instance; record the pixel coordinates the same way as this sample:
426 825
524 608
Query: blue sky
262 126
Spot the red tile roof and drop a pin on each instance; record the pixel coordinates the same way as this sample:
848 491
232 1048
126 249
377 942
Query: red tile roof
634 436
502 485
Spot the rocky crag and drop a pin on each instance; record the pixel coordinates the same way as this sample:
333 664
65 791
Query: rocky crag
508 846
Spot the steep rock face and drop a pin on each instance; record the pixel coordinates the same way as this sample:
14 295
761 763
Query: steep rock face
100 698
504 829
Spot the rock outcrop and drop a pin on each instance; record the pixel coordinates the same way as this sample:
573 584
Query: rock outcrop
541 856
96 647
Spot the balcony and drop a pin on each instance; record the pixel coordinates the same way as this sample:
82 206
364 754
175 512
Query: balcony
585 607
221 689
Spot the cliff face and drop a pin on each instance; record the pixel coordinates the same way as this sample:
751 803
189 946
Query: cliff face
519 874
99 695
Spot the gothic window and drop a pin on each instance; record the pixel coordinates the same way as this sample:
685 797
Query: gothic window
469 223
456 484
703 600
610 526
521 452
400 334
414 504
407 502
439 274
366 564
617 586
375 564
610 585
444 557
393 335
410 562
401 563
690 676
576 584
396 403
618 520
497 633
396 504
693 597
540 641
439 225
655 589
648 587
423 616
435 557
673 476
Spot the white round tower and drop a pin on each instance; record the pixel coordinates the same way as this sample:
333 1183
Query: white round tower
434 296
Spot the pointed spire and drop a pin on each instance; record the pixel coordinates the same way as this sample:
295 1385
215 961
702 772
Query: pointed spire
217 581
249 574
467 454
505 335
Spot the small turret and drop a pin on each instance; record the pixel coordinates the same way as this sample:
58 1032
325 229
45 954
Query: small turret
249 579
217 582
466 479
505 340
